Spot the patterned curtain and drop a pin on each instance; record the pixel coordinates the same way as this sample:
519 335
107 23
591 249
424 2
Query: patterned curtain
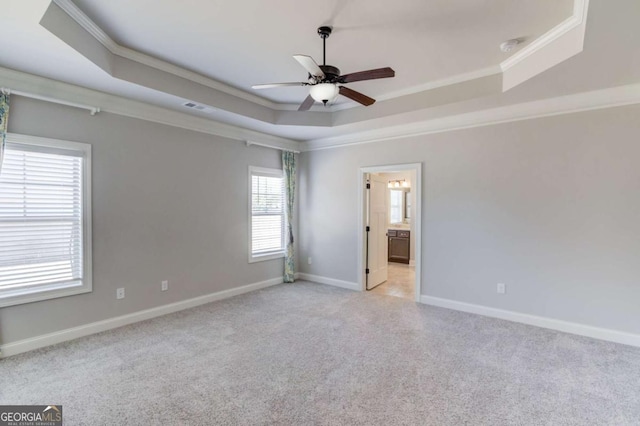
4 117
289 168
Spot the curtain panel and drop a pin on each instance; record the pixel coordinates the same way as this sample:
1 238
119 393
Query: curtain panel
289 169
4 117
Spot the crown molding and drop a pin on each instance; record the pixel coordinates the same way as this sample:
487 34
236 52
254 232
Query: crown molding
600 99
587 101
122 106
103 38
580 9
44 87
449 81
579 15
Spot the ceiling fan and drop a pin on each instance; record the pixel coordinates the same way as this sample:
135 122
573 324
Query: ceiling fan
325 79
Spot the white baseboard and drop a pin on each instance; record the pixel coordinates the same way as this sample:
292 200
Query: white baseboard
37 342
329 281
553 324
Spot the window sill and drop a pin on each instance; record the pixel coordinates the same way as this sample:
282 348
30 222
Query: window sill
253 258
53 291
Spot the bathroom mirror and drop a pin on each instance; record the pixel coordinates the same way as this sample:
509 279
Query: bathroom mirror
399 206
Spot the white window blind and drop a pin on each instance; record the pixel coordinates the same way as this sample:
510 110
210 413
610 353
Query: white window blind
41 219
267 212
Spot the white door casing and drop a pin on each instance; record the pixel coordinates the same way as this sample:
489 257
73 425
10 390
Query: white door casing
362 211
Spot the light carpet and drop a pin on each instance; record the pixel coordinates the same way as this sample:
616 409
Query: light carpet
309 354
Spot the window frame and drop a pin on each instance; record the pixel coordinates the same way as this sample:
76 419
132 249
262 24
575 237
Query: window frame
264 171
56 290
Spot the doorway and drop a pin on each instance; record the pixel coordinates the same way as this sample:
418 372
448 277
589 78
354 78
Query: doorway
389 231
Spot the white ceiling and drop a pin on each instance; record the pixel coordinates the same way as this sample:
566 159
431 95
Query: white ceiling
422 41
247 42
27 46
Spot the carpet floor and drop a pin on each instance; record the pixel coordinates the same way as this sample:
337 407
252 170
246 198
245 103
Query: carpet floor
309 354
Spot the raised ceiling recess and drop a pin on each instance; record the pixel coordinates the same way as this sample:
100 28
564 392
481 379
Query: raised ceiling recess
445 53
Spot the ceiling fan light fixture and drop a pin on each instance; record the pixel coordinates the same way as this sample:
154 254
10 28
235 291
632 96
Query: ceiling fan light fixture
324 79
324 92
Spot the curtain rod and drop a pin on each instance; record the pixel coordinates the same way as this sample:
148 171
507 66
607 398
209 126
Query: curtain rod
92 110
266 145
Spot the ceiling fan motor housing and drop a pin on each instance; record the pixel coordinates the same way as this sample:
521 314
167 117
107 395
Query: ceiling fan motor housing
331 73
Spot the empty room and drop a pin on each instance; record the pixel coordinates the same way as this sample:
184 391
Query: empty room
345 212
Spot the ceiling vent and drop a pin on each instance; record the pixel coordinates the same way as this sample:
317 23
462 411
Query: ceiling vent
198 107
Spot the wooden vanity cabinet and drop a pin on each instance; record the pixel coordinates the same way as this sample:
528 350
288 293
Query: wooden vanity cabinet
399 250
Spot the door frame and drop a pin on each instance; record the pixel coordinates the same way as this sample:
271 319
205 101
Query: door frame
362 200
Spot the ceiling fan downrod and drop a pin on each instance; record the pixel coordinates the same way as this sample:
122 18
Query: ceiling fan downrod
324 33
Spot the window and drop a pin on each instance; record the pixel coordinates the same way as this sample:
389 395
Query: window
395 203
45 229
267 220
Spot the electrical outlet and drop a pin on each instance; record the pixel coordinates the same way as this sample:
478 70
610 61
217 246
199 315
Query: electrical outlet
309 260
165 285
120 293
501 288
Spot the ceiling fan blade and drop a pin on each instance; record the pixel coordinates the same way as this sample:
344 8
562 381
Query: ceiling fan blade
356 96
310 65
368 75
272 85
306 104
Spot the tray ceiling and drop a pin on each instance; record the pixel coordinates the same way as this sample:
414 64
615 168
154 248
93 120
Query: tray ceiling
445 54
248 42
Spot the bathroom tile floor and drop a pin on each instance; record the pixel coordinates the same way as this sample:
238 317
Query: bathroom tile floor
400 282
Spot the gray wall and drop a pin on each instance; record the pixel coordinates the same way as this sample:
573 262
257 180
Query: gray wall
167 204
551 207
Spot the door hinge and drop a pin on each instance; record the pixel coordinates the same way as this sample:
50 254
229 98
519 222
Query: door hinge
366 271
368 228
368 186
